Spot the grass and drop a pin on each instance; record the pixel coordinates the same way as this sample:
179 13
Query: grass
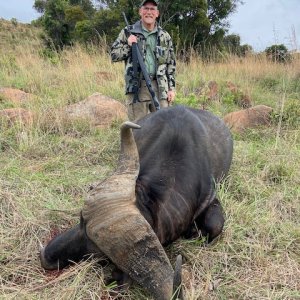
46 169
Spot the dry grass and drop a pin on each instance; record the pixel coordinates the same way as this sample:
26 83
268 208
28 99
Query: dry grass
45 171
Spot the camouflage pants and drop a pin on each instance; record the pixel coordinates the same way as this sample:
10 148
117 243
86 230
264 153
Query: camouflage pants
140 109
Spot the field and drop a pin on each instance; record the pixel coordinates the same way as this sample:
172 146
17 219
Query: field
46 169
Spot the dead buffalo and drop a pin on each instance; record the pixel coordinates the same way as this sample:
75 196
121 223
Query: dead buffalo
163 188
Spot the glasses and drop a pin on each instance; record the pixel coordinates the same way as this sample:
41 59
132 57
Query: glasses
152 9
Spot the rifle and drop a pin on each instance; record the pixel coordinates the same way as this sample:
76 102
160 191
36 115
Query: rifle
137 59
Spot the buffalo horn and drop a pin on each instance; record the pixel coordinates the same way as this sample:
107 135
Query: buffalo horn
116 226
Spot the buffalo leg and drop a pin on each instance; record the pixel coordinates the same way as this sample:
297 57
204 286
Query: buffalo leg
211 221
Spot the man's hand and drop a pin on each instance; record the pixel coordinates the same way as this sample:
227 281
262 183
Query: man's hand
132 39
171 96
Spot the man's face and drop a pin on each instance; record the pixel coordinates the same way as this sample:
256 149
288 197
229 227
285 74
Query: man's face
149 13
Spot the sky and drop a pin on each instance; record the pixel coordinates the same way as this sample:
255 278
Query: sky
20 9
259 23
262 23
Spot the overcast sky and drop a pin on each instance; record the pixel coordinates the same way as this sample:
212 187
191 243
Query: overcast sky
260 23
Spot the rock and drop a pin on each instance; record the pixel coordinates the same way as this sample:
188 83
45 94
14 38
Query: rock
255 116
15 96
101 111
16 115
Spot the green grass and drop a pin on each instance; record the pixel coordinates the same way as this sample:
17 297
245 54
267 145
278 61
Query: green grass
46 170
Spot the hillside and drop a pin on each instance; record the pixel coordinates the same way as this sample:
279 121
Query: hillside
13 34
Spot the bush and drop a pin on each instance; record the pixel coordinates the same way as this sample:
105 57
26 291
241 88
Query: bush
278 54
14 22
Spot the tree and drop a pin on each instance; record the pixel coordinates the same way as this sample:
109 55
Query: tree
73 15
107 23
60 17
278 53
191 23
40 5
86 6
109 20
187 21
232 44
84 31
246 49
55 24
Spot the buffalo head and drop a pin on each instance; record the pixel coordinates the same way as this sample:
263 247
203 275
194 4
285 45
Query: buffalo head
112 224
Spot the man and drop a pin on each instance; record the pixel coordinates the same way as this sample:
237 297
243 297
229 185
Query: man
157 50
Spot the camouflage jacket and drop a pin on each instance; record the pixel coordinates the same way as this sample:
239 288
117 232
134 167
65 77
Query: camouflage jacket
164 53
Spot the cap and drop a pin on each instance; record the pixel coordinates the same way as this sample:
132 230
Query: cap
145 1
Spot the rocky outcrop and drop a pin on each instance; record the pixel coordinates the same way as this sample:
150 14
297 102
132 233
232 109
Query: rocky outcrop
15 96
101 111
255 116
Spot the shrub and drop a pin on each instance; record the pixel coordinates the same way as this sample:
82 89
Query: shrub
278 53
14 22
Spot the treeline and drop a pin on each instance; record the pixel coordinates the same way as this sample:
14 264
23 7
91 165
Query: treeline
201 25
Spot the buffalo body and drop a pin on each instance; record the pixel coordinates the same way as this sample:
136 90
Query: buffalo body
169 183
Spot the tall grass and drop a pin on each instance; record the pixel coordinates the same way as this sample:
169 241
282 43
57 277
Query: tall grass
45 171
